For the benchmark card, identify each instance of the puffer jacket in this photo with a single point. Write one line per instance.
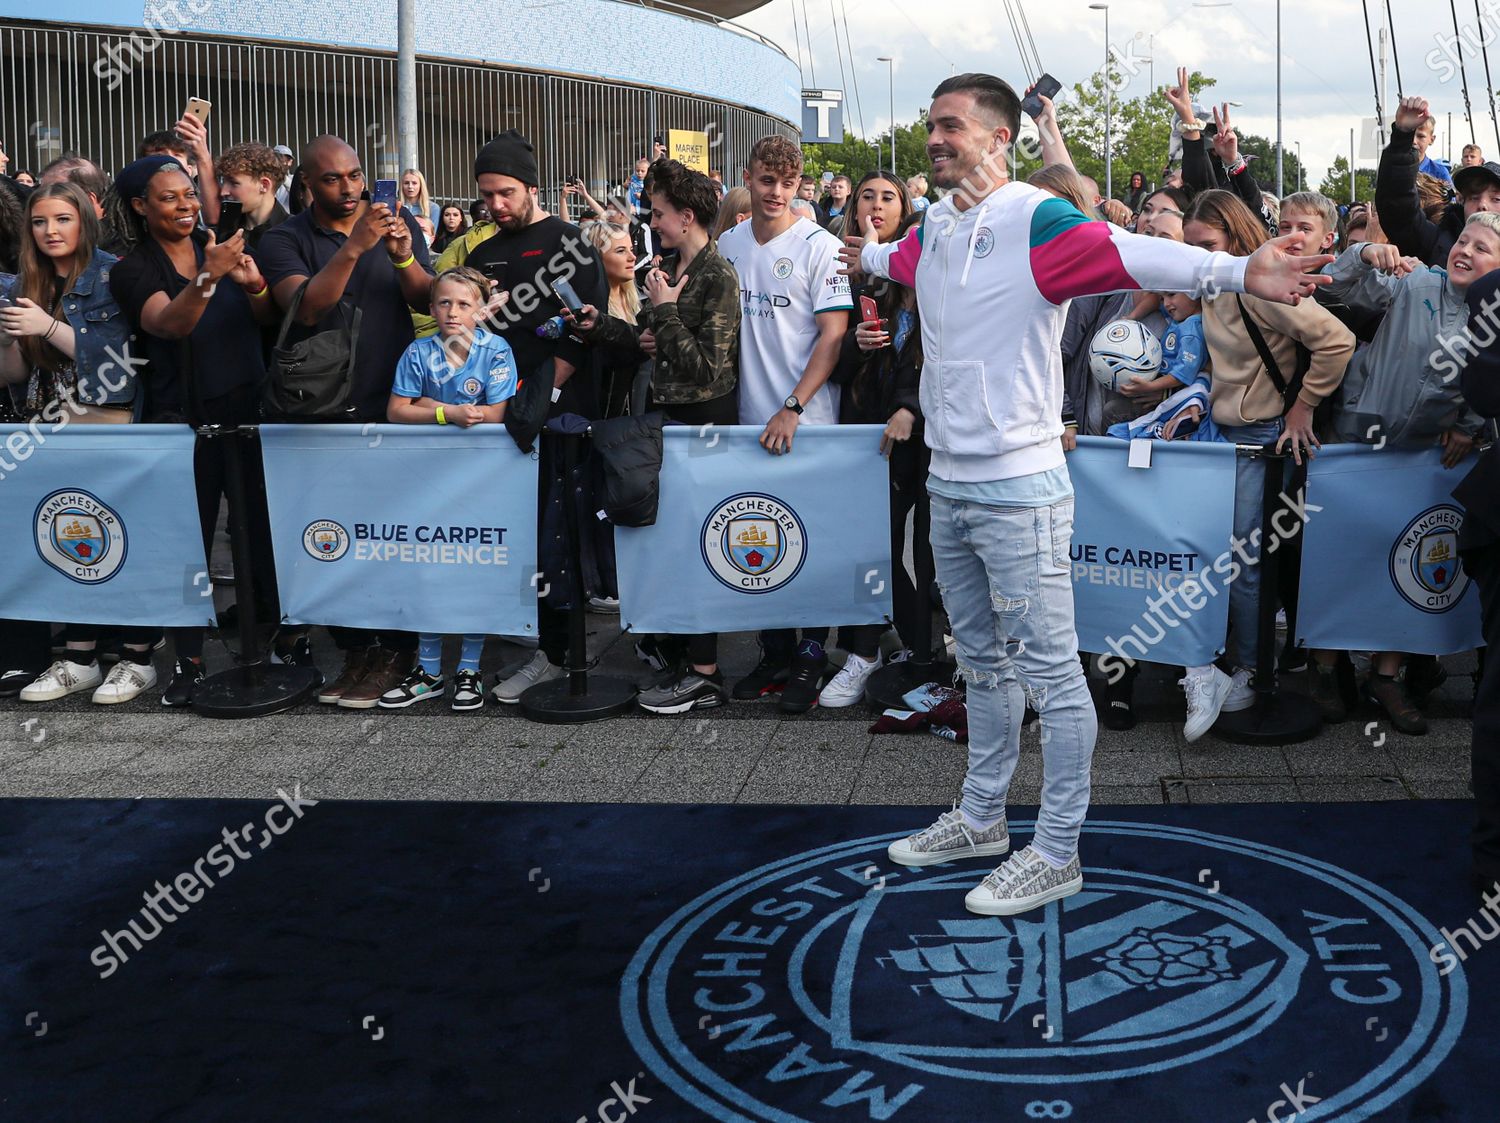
(1403, 388)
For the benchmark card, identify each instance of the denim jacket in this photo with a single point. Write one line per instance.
(105, 357)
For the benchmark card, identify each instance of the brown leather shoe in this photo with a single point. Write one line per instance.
(1390, 695)
(356, 663)
(385, 671)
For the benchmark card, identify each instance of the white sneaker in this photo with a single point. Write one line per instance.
(1206, 689)
(126, 680)
(848, 686)
(1025, 881)
(64, 677)
(539, 669)
(608, 606)
(1242, 695)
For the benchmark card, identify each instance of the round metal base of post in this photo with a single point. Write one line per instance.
(887, 686)
(1282, 718)
(255, 690)
(554, 703)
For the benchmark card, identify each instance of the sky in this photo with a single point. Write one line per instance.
(1326, 82)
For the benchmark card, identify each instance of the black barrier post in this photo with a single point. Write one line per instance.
(891, 683)
(1277, 717)
(579, 697)
(253, 687)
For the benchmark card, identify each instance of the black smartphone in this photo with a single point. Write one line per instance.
(1046, 86)
(569, 297)
(231, 216)
(386, 192)
(496, 271)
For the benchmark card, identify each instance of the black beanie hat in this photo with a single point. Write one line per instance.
(510, 154)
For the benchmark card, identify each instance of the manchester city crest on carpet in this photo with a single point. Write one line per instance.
(1424, 560)
(80, 536)
(325, 540)
(833, 978)
(754, 543)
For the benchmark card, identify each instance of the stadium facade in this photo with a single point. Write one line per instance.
(590, 81)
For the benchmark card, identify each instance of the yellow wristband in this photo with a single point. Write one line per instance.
(442, 418)
(405, 264)
(261, 295)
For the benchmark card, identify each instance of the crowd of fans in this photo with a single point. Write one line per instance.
(668, 271)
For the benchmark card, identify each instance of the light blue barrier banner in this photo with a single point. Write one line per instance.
(409, 527)
(745, 540)
(1151, 557)
(105, 526)
(1380, 568)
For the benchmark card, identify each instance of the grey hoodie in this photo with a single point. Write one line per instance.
(1399, 390)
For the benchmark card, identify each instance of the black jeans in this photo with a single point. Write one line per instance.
(27, 645)
(210, 478)
(1483, 565)
(908, 488)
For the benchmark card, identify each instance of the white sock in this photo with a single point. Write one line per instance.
(981, 824)
(1051, 859)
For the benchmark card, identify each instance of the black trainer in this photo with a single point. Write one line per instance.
(1119, 704)
(14, 681)
(185, 679)
(1424, 676)
(769, 676)
(297, 653)
(806, 678)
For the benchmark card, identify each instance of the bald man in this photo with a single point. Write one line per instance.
(348, 249)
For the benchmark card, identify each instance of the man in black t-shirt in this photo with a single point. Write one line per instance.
(529, 252)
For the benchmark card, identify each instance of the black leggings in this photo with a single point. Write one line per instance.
(908, 488)
(703, 649)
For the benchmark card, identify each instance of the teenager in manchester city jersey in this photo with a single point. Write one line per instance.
(462, 376)
(796, 313)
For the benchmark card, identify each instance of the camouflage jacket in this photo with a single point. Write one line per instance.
(697, 337)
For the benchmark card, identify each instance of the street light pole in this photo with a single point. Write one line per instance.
(1109, 111)
(406, 82)
(1279, 191)
(891, 72)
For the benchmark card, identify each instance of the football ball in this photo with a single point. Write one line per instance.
(1123, 350)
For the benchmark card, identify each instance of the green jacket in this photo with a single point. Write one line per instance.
(697, 337)
(452, 257)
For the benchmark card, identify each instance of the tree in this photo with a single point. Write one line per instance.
(1336, 183)
(1141, 133)
(1264, 164)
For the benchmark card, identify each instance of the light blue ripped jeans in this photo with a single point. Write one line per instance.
(1008, 588)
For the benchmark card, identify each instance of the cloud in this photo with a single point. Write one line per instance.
(1326, 84)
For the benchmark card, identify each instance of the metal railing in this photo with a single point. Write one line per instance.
(54, 98)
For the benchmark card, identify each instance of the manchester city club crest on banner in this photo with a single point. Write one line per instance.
(80, 536)
(325, 540)
(1424, 560)
(754, 543)
(832, 978)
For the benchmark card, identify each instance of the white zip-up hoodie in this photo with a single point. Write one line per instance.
(993, 284)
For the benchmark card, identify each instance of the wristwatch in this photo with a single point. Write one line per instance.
(792, 404)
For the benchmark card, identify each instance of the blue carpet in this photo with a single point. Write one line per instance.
(610, 962)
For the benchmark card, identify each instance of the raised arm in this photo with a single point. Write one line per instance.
(1401, 214)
